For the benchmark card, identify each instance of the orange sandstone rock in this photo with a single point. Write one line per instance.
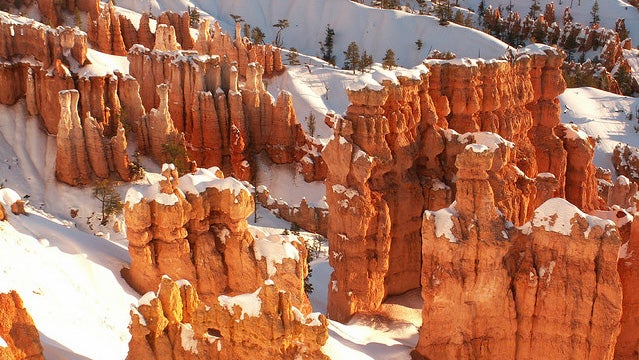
(17, 331)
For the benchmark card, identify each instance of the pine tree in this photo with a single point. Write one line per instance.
(111, 202)
(280, 25)
(481, 10)
(444, 13)
(310, 124)
(293, 57)
(534, 9)
(194, 17)
(351, 57)
(389, 62)
(624, 79)
(365, 62)
(419, 44)
(594, 12)
(326, 47)
(257, 35)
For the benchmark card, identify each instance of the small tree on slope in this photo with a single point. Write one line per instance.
(389, 62)
(109, 198)
(351, 57)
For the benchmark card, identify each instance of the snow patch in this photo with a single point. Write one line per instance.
(444, 222)
(187, 338)
(556, 215)
(251, 304)
(3, 343)
(8, 196)
(275, 248)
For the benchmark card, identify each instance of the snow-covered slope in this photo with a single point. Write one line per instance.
(605, 117)
(374, 30)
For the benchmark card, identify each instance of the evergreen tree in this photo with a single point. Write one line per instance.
(351, 57)
(310, 124)
(459, 18)
(111, 202)
(419, 44)
(624, 79)
(280, 25)
(365, 62)
(594, 12)
(389, 62)
(326, 47)
(534, 9)
(194, 17)
(293, 57)
(257, 35)
(549, 14)
(481, 10)
(444, 12)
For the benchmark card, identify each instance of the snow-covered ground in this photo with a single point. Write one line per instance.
(607, 117)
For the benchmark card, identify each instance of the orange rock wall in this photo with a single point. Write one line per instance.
(393, 155)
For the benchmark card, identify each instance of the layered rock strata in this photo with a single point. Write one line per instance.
(19, 338)
(264, 322)
(313, 219)
(491, 290)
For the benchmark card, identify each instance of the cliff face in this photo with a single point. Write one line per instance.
(558, 294)
(178, 324)
(394, 154)
(19, 338)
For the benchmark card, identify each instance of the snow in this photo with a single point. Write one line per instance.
(603, 116)
(147, 298)
(250, 304)
(3, 343)
(556, 215)
(203, 179)
(444, 221)
(8, 196)
(274, 248)
(477, 148)
(187, 338)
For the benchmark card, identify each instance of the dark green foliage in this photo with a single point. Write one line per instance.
(293, 57)
(257, 35)
(280, 25)
(366, 61)
(389, 61)
(594, 12)
(175, 153)
(111, 202)
(326, 47)
(194, 17)
(624, 79)
(310, 124)
(419, 44)
(351, 57)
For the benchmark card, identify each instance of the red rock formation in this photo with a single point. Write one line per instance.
(261, 323)
(165, 39)
(479, 308)
(313, 219)
(72, 163)
(182, 26)
(545, 75)
(581, 183)
(19, 338)
(628, 267)
(105, 31)
(203, 236)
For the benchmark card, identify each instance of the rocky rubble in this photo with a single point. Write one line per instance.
(178, 323)
(19, 338)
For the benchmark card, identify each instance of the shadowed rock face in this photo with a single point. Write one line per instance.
(176, 322)
(548, 289)
(17, 330)
(394, 154)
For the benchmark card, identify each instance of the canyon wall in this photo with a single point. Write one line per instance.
(393, 156)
